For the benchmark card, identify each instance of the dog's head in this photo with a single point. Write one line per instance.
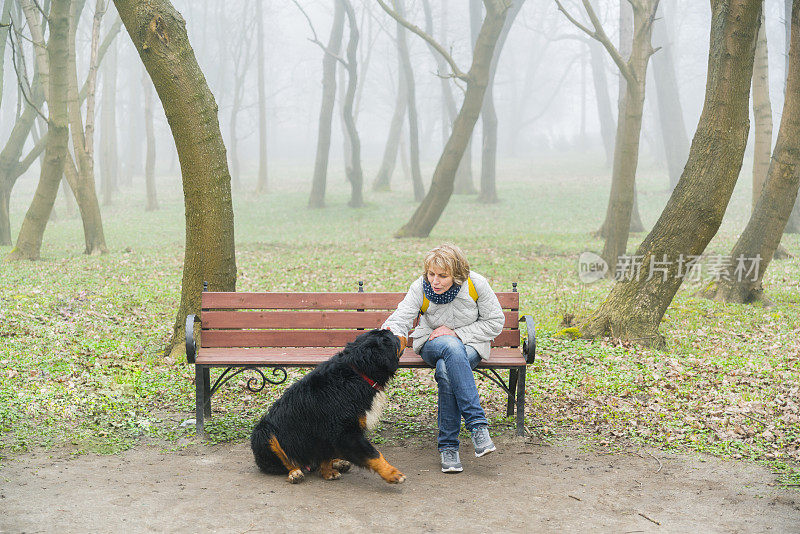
(376, 354)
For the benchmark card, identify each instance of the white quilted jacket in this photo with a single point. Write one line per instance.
(475, 323)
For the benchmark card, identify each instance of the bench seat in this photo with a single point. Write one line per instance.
(501, 357)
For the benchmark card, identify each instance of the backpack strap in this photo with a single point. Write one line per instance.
(472, 293)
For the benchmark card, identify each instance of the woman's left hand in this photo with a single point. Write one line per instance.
(442, 331)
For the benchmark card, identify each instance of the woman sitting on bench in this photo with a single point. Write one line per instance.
(459, 316)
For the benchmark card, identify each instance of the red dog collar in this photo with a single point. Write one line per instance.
(374, 385)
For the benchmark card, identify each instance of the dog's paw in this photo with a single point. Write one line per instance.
(343, 466)
(296, 476)
(395, 478)
(333, 474)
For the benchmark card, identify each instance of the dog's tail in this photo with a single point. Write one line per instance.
(260, 442)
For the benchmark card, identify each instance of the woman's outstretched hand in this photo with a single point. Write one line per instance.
(441, 331)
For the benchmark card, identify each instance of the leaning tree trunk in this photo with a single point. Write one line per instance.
(29, 242)
(261, 178)
(411, 107)
(488, 192)
(428, 213)
(317, 197)
(762, 114)
(761, 238)
(636, 304)
(354, 173)
(159, 35)
(150, 136)
(670, 113)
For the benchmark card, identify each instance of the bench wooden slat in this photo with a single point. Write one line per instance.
(319, 301)
(310, 357)
(308, 319)
(307, 338)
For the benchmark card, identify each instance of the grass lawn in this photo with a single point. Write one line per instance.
(81, 338)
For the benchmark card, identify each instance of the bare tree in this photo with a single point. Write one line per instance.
(388, 162)
(488, 192)
(670, 112)
(762, 114)
(150, 144)
(109, 162)
(756, 246)
(604, 113)
(331, 54)
(29, 242)
(476, 79)
(261, 178)
(634, 308)
(626, 147)
(411, 107)
(158, 33)
(463, 180)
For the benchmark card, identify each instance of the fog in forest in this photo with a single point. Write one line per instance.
(545, 90)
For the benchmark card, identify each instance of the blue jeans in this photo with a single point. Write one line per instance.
(458, 395)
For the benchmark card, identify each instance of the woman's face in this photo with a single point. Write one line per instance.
(439, 279)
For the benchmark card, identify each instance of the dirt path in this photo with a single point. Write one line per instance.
(520, 488)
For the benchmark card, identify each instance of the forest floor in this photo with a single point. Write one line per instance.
(523, 487)
(82, 369)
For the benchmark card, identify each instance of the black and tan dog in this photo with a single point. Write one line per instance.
(319, 421)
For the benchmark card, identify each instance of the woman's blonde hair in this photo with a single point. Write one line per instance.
(450, 259)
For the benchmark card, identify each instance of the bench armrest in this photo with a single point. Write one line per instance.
(191, 348)
(529, 345)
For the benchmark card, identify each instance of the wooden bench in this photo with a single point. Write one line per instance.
(241, 331)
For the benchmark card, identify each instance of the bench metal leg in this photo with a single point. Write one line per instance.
(512, 388)
(521, 401)
(207, 392)
(199, 399)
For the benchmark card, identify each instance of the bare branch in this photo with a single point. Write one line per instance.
(601, 36)
(574, 21)
(316, 40)
(457, 73)
(25, 88)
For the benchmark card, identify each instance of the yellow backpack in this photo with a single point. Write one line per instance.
(472, 293)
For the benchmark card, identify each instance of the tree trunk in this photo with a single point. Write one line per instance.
(150, 136)
(411, 107)
(5, 17)
(383, 179)
(261, 178)
(354, 173)
(109, 165)
(621, 217)
(628, 25)
(317, 197)
(636, 304)
(159, 35)
(793, 226)
(604, 113)
(762, 114)
(428, 213)
(83, 140)
(488, 192)
(670, 113)
(761, 238)
(29, 242)
(133, 165)
(463, 181)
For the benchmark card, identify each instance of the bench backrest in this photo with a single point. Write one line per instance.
(230, 319)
